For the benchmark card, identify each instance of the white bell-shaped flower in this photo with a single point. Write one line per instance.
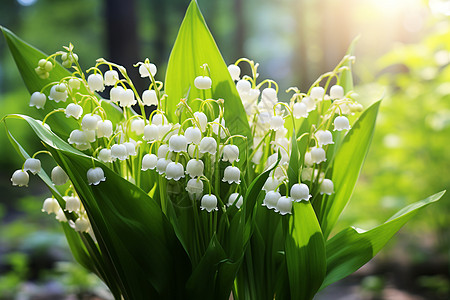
(90, 121)
(79, 138)
(195, 188)
(208, 144)
(111, 77)
(178, 143)
(256, 159)
(317, 93)
(127, 98)
(149, 162)
(310, 103)
(163, 131)
(149, 97)
(74, 110)
(233, 198)
(203, 82)
(74, 84)
(151, 132)
(162, 151)
(324, 137)
(209, 203)
(202, 120)
(232, 174)
(159, 119)
(327, 187)
(116, 94)
(58, 93)
(341, 123)
(243, 86)
(95, 82)
(276, 122)
(33, 165)
(235, 72)
(60, 216)
(230, 153)
(146, 69)
(271, 199)
(90, 135)
(271, 184)
(20, 178)
(193, 135)
(59, 177)
(299, 110)
(82, 224)
(104, 129)
(38, 100)
(193, 151)
(95, 176)
(72, 204)
(269, 97)
(299, 192)
(284, 206)
(195, 168)
(336, 92)
(137, 126)
(216, 126)
(105, 155)
(131, 148)
(308, 159)
(119, 151)
(174, 171)
(161, 165)
(318, 155)
(307, 174)
(50, 206)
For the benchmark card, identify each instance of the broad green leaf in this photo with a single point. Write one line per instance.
(351, 248)
(305, 252)
(347, 166)
(26, 58)
(194, 47)
(133, 234)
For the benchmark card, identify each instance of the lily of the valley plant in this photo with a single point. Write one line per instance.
(222, 189)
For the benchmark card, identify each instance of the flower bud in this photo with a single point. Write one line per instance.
(271, 199)
(194, 168)
(336, 92)
(195, 188)
(74, 84)
(174, 171)
(300, 192)
(202, 82)
(111, 77)
(327, 187)
(95, 176)
(105, 155)
(146, 69)
(318, 155)
(119, 151)
(299, 110)
(74, 110)
(38, 100)
(324, 137)
(59, 177)
(193, 135)
(58, 93)
(232, 174)
(208, 144)
(230, 153)
(149, 97)
(149, 162)
(284, 206)
(33, 165)
(233, 198)
(341, 123)
(317, 93)
(209, 202)
(20, 178)
(50, 205)
(95, 82)
(235, 72)
(178, 143)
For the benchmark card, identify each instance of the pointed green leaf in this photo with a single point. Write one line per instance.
(347, 166)
(305, 252)
(194, 47)
(351, 248)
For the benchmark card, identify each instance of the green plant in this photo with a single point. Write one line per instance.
(132, 216)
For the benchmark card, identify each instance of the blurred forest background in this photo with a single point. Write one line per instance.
(403, 55)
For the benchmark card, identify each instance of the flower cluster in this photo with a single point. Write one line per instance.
(199, 153)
